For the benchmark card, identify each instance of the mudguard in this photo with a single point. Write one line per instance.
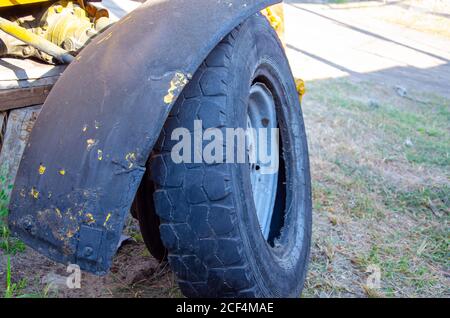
(87, 152)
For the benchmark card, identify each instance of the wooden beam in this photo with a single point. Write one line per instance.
(23, 97)
(2, 119)
(18, 129)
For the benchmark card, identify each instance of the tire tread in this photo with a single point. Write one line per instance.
(204, 249)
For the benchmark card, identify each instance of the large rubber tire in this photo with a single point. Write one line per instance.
(208, 219)
(143, 209)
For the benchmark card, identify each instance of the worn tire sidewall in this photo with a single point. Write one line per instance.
(277, 272)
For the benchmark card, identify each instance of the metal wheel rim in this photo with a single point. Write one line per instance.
(261, 114)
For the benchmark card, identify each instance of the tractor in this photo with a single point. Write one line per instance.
(92, 107)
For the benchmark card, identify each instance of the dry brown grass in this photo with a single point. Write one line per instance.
(376, 201)
(430, 16)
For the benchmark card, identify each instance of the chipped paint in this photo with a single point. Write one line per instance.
(177, 84)
(91, 143)
(56, 221)
(85, 128)
(301, 87)
(107, 219)
(96, 124)
(42, 169)
(34, 193)
(90, 218)
(100, 154)
(131, 159)
(58, 213)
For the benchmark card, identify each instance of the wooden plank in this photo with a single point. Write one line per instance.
(25, 73)
(25, 82)
(18, 129)
(2, 119)
(22, 97)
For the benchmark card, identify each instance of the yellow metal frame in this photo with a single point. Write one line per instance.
(34, 40)
(10, 3)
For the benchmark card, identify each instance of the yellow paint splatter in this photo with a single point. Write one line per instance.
(107, 219)
(178, 82)
(34, 193)
(62, 172)
(90, 143)
(58, 212)
(42, 169)
(85, 127)
(301, 87)
(100, 154)
(90, 218)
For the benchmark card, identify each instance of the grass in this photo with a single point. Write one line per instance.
(427, 129)
(380, 166)
(13, 289)
(422, 200)
(378, 200)
(9, 245)
(17, 290)
(426, 124)
(422, 15)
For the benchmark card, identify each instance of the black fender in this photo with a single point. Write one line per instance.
(88, 149)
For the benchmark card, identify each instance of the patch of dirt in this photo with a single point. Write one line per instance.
(134, 273)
